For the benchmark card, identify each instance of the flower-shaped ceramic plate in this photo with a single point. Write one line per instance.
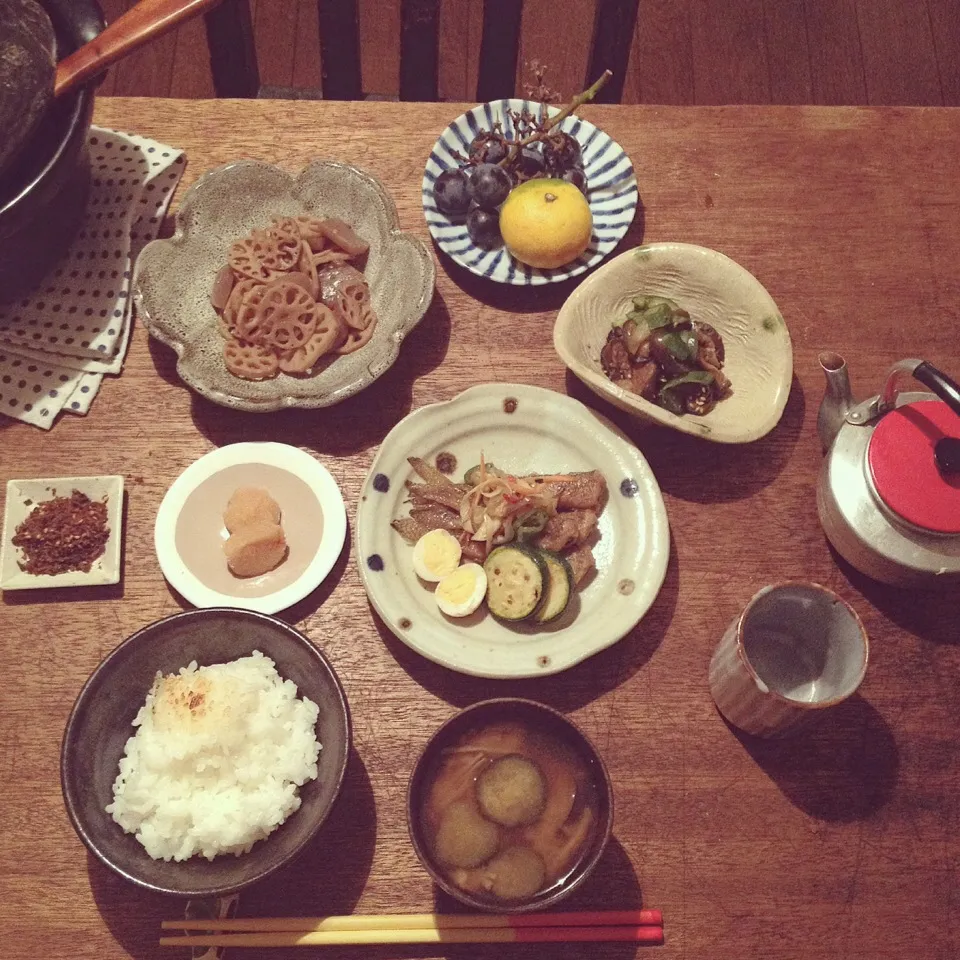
(611, 190)
(713, 288)
(174, 277)
(526, 430)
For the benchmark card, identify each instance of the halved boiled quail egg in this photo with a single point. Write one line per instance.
(461, 592)
(436, 555)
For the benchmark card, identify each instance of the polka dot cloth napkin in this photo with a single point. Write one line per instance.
(57, 345)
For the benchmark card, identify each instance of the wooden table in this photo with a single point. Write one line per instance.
(842, 843)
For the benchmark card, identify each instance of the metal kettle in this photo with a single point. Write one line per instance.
(888, 495)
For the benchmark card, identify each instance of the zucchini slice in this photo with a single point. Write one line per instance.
(559, 586)
(515, 582)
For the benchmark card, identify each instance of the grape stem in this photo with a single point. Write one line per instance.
(545, 126)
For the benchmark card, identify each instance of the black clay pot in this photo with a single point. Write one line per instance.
(44, 193)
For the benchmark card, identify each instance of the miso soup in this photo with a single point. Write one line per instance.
(509, 811)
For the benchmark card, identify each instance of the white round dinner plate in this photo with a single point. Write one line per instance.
(189, 533)
(524, 430)
(611, 192)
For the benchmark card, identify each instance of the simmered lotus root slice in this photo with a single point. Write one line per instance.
(261, 257)
(249, 323)
(286, 231)
(291, 333)
(353, 305)
(255, 550)
(358, 338)
(249, 361)
(325, 338)
(277, 253)
(249, 506)
(307, 268)
(288, 315)
(334, 278)
(343, 331)
(312, 234)
(228, 321)
(244, 259)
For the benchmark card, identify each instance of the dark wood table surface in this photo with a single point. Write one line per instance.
(844, 842)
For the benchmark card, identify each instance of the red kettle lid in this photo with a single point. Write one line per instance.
(900, 457)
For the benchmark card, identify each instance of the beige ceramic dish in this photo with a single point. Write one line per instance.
(22, 498)
(189, 532)
(527, 430)
(713, 288)
(174, 277)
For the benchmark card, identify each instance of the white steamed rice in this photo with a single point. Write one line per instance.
(216, 760)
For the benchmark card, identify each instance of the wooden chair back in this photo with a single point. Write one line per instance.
(233, 57)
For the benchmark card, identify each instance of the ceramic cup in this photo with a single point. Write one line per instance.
(795, 650)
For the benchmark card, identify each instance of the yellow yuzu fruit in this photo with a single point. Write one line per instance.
(546, 223)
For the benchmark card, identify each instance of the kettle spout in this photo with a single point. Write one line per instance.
(837, 400)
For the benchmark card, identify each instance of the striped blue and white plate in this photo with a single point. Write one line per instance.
(611, 190)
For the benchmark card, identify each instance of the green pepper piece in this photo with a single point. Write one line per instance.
(472, 477)
(659, 316)
(531, 524)
(651, 302)
(655, 312)
(670, 395)
(680, 345)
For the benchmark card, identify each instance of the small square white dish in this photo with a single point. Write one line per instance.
(24, 495)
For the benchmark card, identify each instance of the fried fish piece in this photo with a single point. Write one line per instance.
(568, 529)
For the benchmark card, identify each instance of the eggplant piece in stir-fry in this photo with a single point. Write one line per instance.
(661, 354)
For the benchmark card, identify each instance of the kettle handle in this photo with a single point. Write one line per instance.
(943, 386)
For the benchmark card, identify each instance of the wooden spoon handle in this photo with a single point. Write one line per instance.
(146, 21)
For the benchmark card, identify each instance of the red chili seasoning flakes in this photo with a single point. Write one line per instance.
(63, 534)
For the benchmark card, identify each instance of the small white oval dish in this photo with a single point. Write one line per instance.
(524, 430)
(190, 533)
(713, 288)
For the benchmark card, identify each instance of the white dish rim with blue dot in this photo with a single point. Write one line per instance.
(611, 191)
(520, 428)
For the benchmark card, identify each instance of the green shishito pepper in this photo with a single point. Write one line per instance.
(532, 524)
(682, 344)
(671, 393)
(655, 312)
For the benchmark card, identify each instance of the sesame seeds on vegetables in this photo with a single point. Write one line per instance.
(63, 534)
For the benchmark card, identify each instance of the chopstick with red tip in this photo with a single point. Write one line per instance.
(636, 926)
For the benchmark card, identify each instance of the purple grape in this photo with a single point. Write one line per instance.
(489, 185)
(486, 148)
(483, 226)
(530, 162)
(451, 193)
(577, 177)
(561, 152)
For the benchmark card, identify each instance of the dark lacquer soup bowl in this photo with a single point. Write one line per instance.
(509, 806)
